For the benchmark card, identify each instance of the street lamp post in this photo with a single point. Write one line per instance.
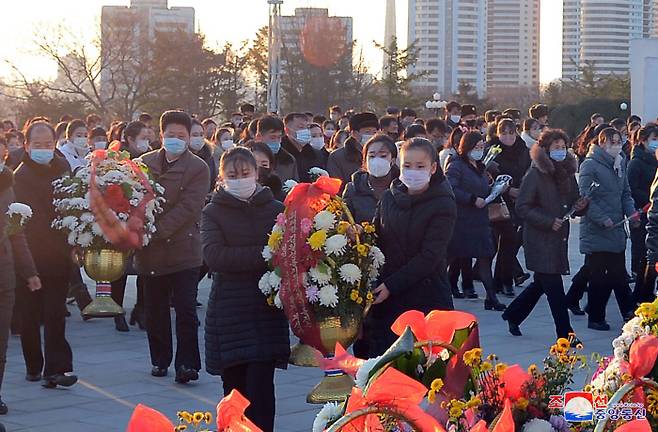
(436, 104)
(273, 56)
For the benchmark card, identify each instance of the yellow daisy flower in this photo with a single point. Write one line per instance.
(198, 417)
(362, 249)
(501, 368)
(431, 396)
(437, 384)
(274, 239)
(317, 240)
(522, 403)
(342, 228)
(354, 295)
(456, 412)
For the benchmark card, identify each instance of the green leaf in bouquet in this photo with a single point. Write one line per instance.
(127, 190)
(408, 363)
(460, 337)
(404, 345)
(436, 370)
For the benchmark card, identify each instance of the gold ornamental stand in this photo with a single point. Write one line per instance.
(104, 266)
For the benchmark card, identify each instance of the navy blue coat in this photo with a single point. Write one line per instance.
(472, 235)
(240, 326)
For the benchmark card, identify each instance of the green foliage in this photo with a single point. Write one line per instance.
(574, 117)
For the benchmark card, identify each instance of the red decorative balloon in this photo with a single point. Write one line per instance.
(323, 41)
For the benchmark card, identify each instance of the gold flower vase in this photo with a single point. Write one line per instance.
(303, 355)
(104, 266)
(336, 384)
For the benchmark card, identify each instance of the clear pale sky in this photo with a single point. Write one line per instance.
(230, 20)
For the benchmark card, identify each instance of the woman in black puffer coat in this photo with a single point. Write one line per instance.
(414, 222)
(246, 339)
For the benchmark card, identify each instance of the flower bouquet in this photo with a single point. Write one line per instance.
(18, 214)
(322, 266)
(108, 208)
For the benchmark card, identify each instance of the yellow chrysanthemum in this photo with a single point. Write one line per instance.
(647, 311)
(588, 388)
(274, 240)
(198, 417)
(368, 227)
(473, 402)
(437, 384)
(563, 344)
(354, 295)
(492, 357)
(486, 366)
(370, 297)
(317, 240)
(185, 416)
(342, 228)
(362, 249)
(208, 418)
(456, 412)
(532, 370)
(270, 301)
(473, 357)
(180, 428)
(522, 403)
(501, 368)
(431, 396)
(359, 300)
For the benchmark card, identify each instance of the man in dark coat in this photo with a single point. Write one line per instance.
(171, 262)
(269, 131)
(346, 161)
(14, 254)
(453, 114)
(296, 142)
(33, 186)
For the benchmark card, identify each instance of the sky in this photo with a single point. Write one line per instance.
(228, 20)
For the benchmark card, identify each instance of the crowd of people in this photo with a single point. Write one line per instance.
(425, 184)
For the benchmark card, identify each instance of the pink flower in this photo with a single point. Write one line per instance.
(306, 224)
(312, 294)
(281, 219)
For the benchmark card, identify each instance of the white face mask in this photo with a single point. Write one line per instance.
(100, 145)
(455, 118)
(378, 167)
(241, 188)
(227, 145)
(79, 142)
(614, 150)
(365, 138)
(415, 179)
(142, 146)
(317, 143)
(196, 143)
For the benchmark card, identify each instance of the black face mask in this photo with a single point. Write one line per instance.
(470, 123)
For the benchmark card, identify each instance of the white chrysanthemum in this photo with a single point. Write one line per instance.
(85, 239)
(70, 222)
(330, 412)
(267, 253)
(288, 185)
(364, 371)
(335, 245)
(264, 284)
(87, 217)
(377, 256)
(145, 240)
(350, 273)
(329, 296)
(317, 171)
(538, 425)
(71, 238)
(96, 229)
(275, 280)
(24, 210)
(324, 220)
(277, 301)
(319, 276)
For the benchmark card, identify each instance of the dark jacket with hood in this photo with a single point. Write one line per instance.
(472, 235)
(345, 161)
(413, 233)
(286, 165)
(360, 197)
(306, 158)
(548, 191)
(206, 154)
(13, 249)
(33, 185)
(240, 326)
(641, 172)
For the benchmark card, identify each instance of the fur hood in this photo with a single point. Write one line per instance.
(546, 165)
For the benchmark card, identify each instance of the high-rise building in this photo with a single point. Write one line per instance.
(390, 31)
(292, 27)
(512, 45)
(451, 35)
(149, 16)
(597, 33)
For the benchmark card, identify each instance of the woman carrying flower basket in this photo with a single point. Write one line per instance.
(14, 253)
(414, 221)
(246, 339)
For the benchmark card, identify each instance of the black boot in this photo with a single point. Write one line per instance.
(456, 293)
(137, 317)
(494, 304)
(121, 324)
(59, 380)
(508, 291)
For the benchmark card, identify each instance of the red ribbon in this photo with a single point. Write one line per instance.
(342, 360)
(642, 356)
(145, 419)
(295, 257)
(230, 414)
(641, 425)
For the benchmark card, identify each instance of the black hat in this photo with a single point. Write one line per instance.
(538, 110)
(452, 105)
(490, 115)
(363, 120)
(392, 110)
(407, 112)
(468, 110)
(513, 113)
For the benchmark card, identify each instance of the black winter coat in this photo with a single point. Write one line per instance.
(240, 326)
(548, 191)
(34, 186)
(360, 197)
(514, 161)
(641, 172)
(306, 159)
(472, 235)
(414, 232)
(206, 154)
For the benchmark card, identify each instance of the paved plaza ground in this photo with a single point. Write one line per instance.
(114, 371)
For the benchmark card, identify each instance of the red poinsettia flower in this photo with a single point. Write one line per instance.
(116, 200)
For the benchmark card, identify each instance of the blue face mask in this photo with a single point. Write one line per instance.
(558, 155)
(275, 146)
(174, 146)
(303, 136)
(652, 146)
(42, 156)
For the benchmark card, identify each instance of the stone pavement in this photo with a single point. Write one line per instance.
(114, 371)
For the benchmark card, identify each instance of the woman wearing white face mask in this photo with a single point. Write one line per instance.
(414, 223)
(368, 184)
(201, 148)
(531, 132)
(234, 230)
(602, 233)
(98, 139)
(472, 236)
(319, 143)
(76, 147)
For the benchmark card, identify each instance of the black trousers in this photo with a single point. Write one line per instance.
(48, 305)
(465, 267)
(256, 382)
(7, 299)
(507, 246)
(524, 303)
(578, 287)
(119, 290)
(645, 283)
(638, 246)
(182, 287)
(607, 273)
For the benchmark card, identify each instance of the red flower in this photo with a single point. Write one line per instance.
(116, 200)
